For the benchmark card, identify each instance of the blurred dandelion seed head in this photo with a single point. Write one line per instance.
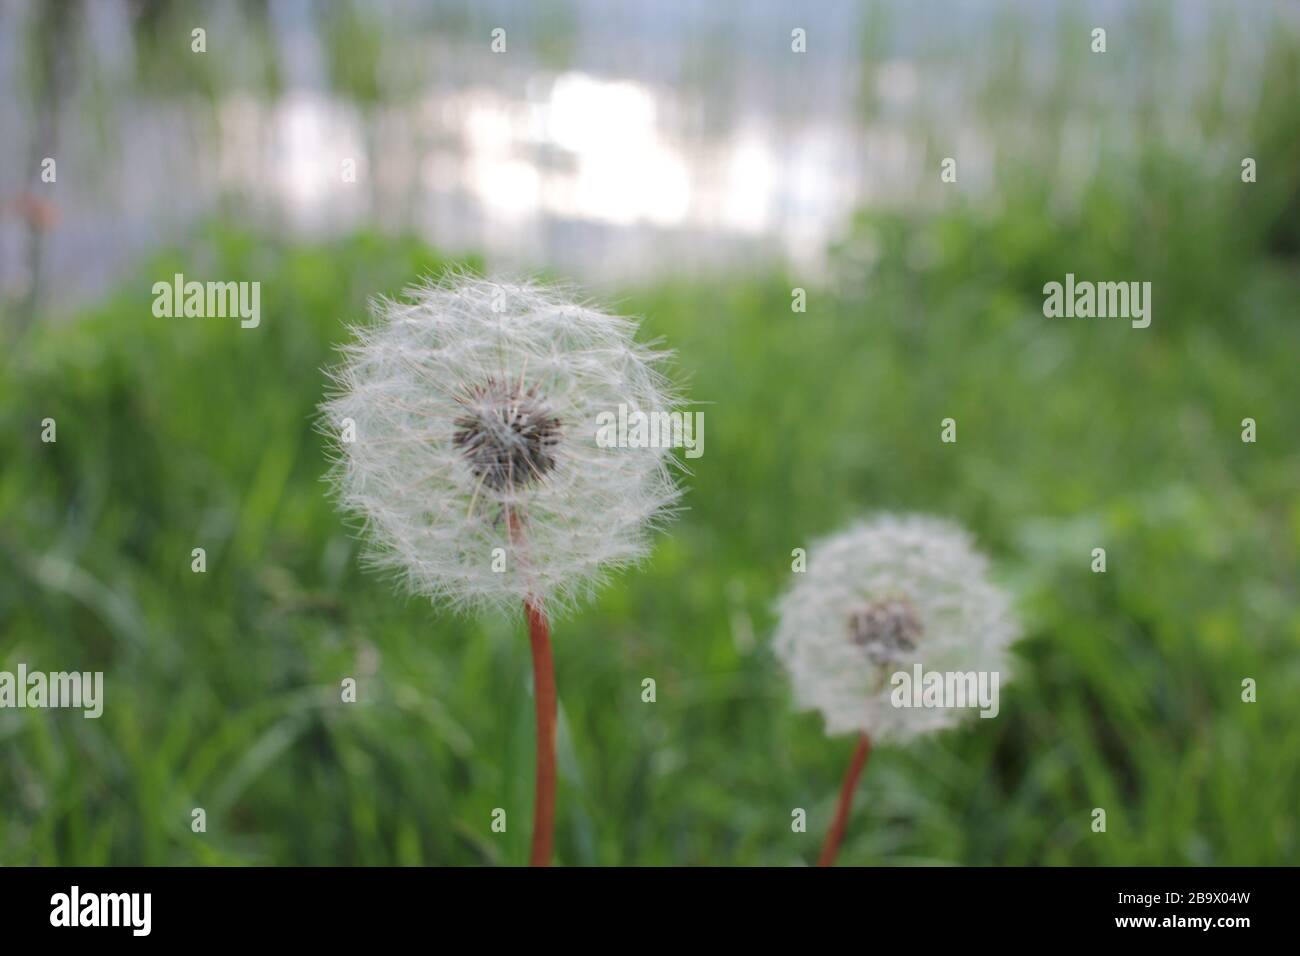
(885, 594)
(475, 406)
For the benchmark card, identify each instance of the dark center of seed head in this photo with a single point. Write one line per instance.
(506, 433)
(886, 629)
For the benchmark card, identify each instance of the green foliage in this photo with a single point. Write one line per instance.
(354, 50)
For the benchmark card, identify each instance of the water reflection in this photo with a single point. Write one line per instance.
(677, 137)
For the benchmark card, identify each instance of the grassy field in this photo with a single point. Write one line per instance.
(223, 688)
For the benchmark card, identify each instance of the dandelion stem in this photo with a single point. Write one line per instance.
(539, 633)
(539, 636)
(836, 834)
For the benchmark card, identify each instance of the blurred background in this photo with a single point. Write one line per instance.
(682, 162)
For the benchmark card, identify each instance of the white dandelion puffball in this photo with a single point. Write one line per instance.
(885, 595)
(472, 408)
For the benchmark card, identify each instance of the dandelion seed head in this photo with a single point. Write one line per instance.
(885, 594)
(474, 471)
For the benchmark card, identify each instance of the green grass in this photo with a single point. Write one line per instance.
(223, 688)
